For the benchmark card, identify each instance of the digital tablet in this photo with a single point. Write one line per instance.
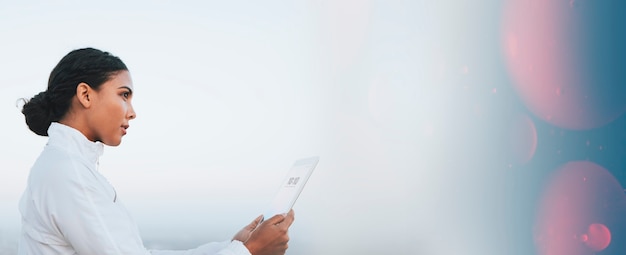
(291, 187)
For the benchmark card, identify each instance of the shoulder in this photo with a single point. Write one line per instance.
(57, 169)
(53, 160)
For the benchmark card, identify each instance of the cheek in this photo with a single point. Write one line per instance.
(113, 112)
(119, 107)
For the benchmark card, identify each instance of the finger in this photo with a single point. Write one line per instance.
(255, 222)
(289, 218)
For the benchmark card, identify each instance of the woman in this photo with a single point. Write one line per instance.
(68, 207)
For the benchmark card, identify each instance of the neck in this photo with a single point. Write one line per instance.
(72, 120)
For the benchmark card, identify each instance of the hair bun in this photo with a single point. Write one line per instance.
(38, 112)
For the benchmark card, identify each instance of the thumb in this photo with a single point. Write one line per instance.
(275, 219)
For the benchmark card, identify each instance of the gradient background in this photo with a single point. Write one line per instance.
(442, 126)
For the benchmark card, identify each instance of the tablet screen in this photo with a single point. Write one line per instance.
(291, 186)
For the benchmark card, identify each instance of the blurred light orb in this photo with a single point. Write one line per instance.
(577, 197)
(599, 237)
(523, 139)
(567, 59)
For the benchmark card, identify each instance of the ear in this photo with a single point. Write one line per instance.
(83, 93)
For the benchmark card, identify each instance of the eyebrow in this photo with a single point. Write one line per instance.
(129, 89)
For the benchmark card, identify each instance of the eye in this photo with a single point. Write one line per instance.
(126, 94)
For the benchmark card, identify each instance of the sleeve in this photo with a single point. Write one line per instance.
(83, 211)
(222, 248)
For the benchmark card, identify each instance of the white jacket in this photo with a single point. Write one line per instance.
(68, 207)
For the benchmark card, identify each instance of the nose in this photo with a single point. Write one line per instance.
(131, 112)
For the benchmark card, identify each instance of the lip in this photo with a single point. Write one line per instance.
(124, 127)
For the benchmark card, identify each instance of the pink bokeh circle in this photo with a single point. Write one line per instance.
(599, 237)
(566, 59)
(578, 203)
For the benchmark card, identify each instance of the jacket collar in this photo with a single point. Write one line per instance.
(74, 141)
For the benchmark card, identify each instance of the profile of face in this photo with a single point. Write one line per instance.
(110, 109)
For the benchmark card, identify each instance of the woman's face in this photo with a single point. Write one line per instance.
(112, 109)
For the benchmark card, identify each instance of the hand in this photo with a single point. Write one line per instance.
(244, 233)
(270, 237)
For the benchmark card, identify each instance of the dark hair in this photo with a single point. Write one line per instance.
(87, 65)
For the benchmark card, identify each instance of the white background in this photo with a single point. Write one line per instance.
(228, 94)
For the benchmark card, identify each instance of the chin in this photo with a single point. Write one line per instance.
(113, 143)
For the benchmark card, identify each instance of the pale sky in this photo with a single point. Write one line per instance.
(230, 93)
